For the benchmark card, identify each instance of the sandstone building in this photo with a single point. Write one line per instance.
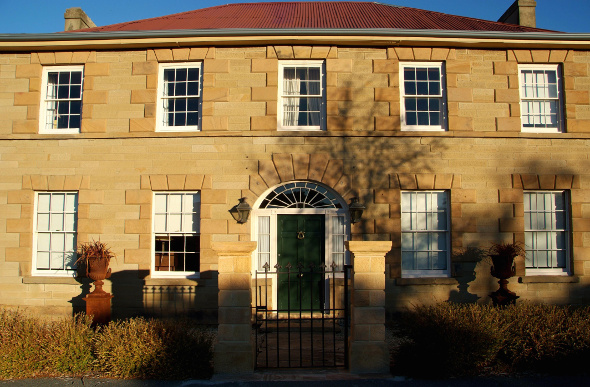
(452, 132)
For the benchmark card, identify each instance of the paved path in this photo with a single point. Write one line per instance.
(307, 378)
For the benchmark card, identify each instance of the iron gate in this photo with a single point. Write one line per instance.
(297, 330)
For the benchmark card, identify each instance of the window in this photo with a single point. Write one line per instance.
(301, 95)
(55, 233)
(540, 98)
(177, 238)
(546, 232)
(179, 97)
(61, 105)
(425, 234)
(423, 103)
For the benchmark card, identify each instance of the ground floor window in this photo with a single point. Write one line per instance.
(425, 233)
(546, 232)
(176, 234)
(55, 233)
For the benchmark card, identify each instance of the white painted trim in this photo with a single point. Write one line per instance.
(43, 103)
(560, 97)
(273, 212)
(170, 274)
(430, 273)
(50, 273)
(301, 63)
(443, 89)
(565, 271)
(160, 127)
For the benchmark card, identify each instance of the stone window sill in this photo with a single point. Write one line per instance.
(148, 281)
(546, 279)
(425, 281)
(54, 280)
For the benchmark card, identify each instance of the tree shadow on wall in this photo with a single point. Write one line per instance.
(134, 295)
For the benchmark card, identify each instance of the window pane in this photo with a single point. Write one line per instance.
(57, 222)
(43, 222)
(57, 261)
(43, 242)
(57, 202)
(43, 260)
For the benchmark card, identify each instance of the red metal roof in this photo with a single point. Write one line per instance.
(312, 15)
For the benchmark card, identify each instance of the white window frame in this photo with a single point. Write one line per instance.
(161, 125)
(559, 128)
(330, 250)
(174, 274)
(566, 231)
(65, 272)
(281, 96)
(442, 97)
(417, 273)
(43, 108)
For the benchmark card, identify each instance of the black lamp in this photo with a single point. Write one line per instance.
(356, 210)
(241, 211)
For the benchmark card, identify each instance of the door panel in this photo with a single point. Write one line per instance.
(300, 241)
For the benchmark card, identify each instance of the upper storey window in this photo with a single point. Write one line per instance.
(541, 98)
(301, 95)
(61, 104)
(423, 102)
(179, 97)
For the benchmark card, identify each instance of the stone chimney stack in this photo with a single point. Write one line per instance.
(76, 19)
(521, 12)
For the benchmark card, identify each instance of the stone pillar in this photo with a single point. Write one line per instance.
(234, 349)
(368, 352)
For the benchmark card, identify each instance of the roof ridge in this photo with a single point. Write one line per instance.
(337, 14)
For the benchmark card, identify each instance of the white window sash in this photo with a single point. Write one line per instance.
(290, 99)
(162, 115)
(172, 218)
(543, 237)
(537, 106)
(418, 227)
(55, 234)
(440, 96)
(50, 101)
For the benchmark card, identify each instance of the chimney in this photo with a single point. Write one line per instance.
(521, 12)
(76, 19)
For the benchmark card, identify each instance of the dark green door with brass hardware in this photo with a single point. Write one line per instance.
(300, 243)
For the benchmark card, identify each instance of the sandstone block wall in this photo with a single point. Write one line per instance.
(118, 161)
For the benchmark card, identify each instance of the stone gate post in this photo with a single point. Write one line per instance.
(368, 352)
(234, 349)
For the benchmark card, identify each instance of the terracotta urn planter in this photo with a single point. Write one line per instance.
(502, 256)
(95, 258)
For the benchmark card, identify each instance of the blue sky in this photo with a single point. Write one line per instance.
(38, 16)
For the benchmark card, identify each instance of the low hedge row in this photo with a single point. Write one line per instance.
(449, 340)
(132, 348)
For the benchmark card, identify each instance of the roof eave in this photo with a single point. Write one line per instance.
(379, 37)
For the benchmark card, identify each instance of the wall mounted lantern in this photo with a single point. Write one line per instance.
(241, 211)
(356, 210)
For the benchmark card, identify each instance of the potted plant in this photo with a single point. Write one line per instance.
(502, 256)
(95, 258)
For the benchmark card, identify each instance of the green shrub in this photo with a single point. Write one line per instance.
(134, 348)
(463, 340)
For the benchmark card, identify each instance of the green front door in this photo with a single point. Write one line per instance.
(300, 241)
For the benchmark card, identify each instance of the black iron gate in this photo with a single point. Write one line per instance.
(302, 331)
